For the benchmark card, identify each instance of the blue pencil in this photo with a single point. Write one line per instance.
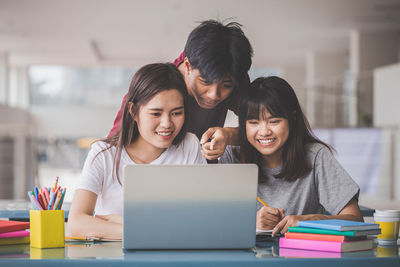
(52, 197)
(31, 198)
(36, 191)
(62, 199)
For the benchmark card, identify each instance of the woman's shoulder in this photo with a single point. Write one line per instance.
(190, 142)
(317, 150)
(101, 146)
(190, 138)
(229, 155)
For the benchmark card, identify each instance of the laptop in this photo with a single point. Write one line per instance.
(190, 206)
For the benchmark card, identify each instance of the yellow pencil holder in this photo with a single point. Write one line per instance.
(50, 253)
(47, 228)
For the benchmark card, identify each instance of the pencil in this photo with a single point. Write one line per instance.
(62, 198)
(262, 202)
(34, 200)
(55, 186)
(57, 201)
(85, 238)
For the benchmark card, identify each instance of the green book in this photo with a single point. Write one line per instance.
(15, 240)
(297, 229)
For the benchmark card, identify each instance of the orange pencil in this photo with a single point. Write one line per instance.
(262, 202)
(55, 186)
(57, 200)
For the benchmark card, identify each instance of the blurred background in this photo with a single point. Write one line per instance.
(66, 65)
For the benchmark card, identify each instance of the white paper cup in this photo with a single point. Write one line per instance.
(389, 222)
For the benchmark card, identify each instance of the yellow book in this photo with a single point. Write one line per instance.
(15, 240)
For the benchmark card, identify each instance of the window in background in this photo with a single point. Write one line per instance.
(90, 86)
(255, 73)
(60, 87)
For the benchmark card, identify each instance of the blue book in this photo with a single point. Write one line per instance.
(338, 225)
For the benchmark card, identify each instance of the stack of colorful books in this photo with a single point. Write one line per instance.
(13, 232)
(330, 235)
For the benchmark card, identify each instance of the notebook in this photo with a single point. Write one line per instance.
(15, 240)
(298, 229)
(22, 233)
(190, 206)
(303, 253)
(344, 246)
(335, 238)
(10, 226)
(338, 225)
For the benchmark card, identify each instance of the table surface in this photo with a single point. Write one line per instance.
(111, 253)
(19, 210)
(266, 252)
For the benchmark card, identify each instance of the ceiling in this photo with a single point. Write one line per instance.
(135, 32)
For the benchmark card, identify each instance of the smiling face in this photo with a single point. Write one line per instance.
(268, 135)
(207, 94)
(160, 120)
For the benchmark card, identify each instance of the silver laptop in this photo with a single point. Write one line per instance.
(190, 206)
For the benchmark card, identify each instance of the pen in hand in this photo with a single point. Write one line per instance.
(262, 202)
(281, 212)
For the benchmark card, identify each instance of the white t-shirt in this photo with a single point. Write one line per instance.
(97, 174)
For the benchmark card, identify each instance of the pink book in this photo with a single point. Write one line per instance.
(302, 253)
(344, 246)
(14, 234)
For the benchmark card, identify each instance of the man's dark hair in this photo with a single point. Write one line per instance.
(217, 50)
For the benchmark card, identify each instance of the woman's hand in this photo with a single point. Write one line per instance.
(114, 218)
(291, 220)
(350, 212)
(269, 217)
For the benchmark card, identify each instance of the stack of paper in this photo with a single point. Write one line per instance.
(330, 235)
(13, 232)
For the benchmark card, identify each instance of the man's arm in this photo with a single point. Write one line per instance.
(215, 140)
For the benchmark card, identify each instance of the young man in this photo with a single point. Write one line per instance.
(214, 65)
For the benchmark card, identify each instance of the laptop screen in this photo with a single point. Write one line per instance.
(190, 206)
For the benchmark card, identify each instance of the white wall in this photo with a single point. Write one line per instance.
(369, 50)
(325, 70)
(73, 122)
(3, 77)
(13, 117)
(387, 95)
(376, 49)
(295, 75)
(16, 124)
(387, 115)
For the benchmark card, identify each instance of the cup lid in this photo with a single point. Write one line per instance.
(395, 213)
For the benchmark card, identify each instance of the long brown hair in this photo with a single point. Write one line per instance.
(278, 97)
(147, 82)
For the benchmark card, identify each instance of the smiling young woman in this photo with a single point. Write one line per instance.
(299, 177)
(153, 131)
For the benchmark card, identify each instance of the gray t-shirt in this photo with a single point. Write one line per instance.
(328, 187)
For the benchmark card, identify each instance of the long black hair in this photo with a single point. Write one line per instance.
(278, 97)
(147, 82)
